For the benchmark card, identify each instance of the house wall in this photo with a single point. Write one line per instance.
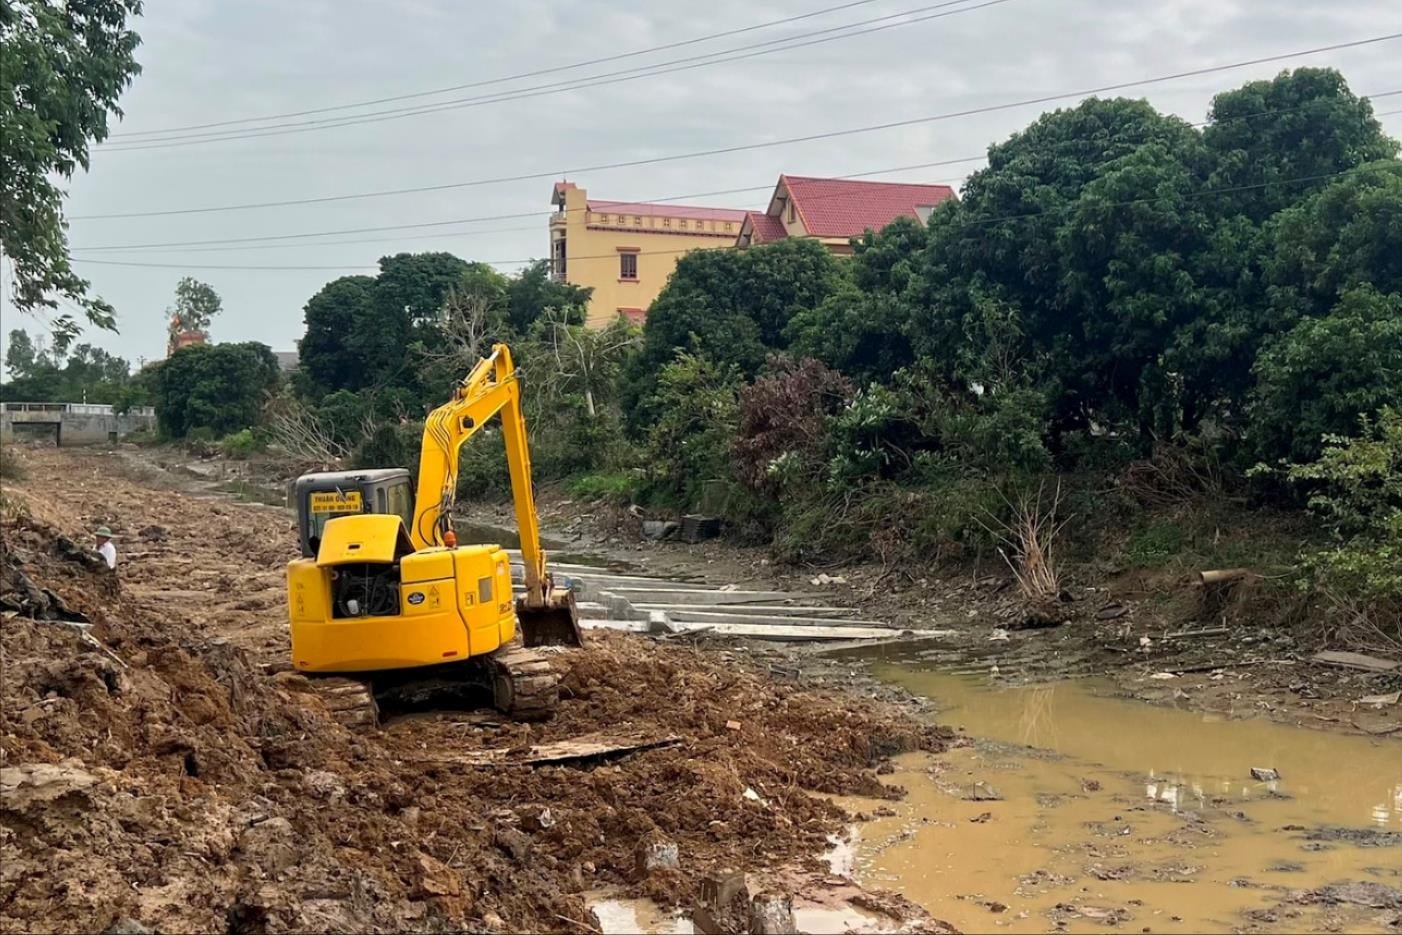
(594, 241)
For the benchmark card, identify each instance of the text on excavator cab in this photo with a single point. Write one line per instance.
(336, 501)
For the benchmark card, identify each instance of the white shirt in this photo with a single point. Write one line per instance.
(109, 552)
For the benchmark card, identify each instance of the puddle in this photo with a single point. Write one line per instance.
(1128, 815)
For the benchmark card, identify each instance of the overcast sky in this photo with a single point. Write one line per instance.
(207, 60)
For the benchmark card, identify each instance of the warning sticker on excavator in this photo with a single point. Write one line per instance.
(335, 501)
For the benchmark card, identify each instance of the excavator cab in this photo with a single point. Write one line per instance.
(320, 498)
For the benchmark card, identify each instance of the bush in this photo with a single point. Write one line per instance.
(239, 446)
(619, 488)
(784, 420)
(10, 467)
(688, 444)
(1356, 489)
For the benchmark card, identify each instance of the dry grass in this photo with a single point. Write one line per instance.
(1027, 542)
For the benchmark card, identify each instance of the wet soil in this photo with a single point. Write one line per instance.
(1072, 810)
(1230, 650)
(160, 768)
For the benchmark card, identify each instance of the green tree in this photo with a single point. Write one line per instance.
(1288, 134)
(85, 374)
(1025, 237)
(861, 327)
(340, 323)
(532, 293)
(1319, 377)
(213, 389)
(21, 356)
(1346, 235)
(62, 67)
(196, 304)
(729, 305)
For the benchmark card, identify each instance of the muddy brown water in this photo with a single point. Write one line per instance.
(1113, 812)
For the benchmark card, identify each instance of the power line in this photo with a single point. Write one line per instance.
(630, 74)
(499, 217)
(236, 243)
(749, 147)
(604, 256)
(501, 80)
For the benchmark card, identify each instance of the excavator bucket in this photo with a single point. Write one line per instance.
(555, 624)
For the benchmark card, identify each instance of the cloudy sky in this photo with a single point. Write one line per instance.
(207, 61)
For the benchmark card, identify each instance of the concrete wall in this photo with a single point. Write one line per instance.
(71, 423)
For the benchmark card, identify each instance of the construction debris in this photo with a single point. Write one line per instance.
(1355, 661)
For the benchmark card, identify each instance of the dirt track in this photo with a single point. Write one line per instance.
(176, 783)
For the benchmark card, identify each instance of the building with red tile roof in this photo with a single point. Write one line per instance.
(834, 211)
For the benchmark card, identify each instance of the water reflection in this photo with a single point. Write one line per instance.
(1187, 760)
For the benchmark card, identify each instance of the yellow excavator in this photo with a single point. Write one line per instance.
(384, 603)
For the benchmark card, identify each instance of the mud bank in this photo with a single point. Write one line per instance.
(155, 771)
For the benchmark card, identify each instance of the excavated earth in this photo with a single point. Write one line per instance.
(158, 769)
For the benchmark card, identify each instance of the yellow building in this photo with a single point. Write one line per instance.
(626, 250)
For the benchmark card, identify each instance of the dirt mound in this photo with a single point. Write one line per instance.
(151, 773)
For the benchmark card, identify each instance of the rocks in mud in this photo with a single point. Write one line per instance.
(326, 786)
(127, 926)
(1366, 894)
(982, 792)
(1264, 774)
(656, 854)
(513, 842)
(771, 914)
(724, 903)
(40, 784)
(437, 878)
(152, 533)
(270, 844)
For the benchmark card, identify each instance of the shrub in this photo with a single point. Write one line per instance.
(239, 446)
(10, 467)
(1356, 489)
(688, 444)
(784, 419)
(619, 488)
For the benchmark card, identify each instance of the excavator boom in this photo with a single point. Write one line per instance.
(547, 616)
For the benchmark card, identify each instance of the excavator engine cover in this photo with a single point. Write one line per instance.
(555, 624)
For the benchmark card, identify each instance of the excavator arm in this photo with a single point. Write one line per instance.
(492, 387)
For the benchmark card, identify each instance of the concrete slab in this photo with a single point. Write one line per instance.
(707, 617)
(695, 595)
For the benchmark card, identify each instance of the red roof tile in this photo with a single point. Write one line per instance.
(690, 212)
(847, 207)
(765, 229)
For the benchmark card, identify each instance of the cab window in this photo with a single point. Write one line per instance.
(401, 503)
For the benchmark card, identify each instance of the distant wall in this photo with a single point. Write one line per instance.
(71, 423)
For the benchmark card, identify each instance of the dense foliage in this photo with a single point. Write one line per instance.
(1118, 297)
(62, 67)
(82, 373)
(213, 390)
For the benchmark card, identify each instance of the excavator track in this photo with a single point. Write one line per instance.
(525, 687)
(350, 701)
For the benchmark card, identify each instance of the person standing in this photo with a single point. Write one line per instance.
(105, 545)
